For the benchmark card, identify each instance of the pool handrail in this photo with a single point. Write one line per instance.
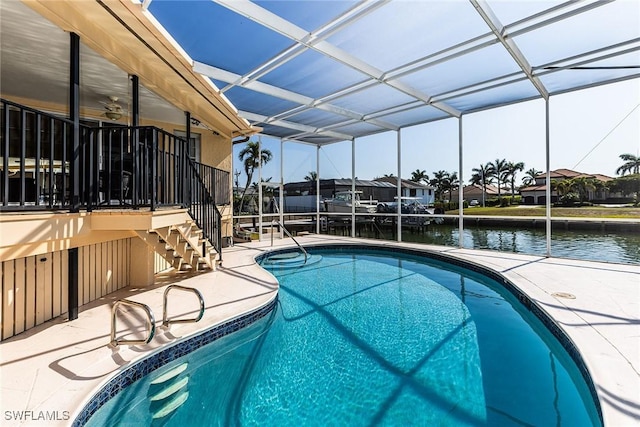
(151, 323)
(165, 320)
(306, 255)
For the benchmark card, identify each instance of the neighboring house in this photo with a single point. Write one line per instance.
(425, 193)
(537, 194)
(474, 192)
(115, 137)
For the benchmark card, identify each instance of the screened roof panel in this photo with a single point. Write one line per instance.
(415, 115)
(308, 14)
(509, 12)
(259, 103)
(375, 98)
(476, 67)
(326, 71)
(213, 34)
(317, 118)
(500, 95)
(598, 28)
(563, 80)
(403, 31)
(278, 130)
(307, 74)
(359, 129)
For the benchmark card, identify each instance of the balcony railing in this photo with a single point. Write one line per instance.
(119, 167)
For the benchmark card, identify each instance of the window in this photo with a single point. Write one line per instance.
(194, 144)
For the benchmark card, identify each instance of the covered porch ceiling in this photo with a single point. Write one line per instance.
(325, 71)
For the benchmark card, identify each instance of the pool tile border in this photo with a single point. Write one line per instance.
(166, 355)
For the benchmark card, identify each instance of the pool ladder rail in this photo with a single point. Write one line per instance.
(275, 221)
(165, 318)
(150, 320)
(150, 323)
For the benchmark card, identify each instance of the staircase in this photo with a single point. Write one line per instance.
(182, 246)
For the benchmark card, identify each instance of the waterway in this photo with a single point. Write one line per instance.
(616, 247)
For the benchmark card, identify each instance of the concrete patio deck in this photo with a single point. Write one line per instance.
(56, 367)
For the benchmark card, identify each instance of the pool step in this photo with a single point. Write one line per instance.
(170, 374)
(171, 405)
(172, 389)
(290, 260)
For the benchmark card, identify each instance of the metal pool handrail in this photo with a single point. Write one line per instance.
(306, 255)
(165, 320)
(151, 322)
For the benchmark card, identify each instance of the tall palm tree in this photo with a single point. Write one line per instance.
(512, 170)
(530, 176)
(419, 176)
(632, 164)
(252, 157)
(499, 168)
(482, 176)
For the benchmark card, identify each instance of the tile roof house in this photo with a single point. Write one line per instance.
(536, 194)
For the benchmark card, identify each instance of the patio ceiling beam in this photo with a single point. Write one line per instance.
(259, 118)
(498, 29)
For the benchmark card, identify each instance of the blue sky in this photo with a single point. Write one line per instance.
(583, 137)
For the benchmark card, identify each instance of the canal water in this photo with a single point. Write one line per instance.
(616, 247)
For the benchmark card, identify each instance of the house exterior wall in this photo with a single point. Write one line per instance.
(34, 247)
(34, 288)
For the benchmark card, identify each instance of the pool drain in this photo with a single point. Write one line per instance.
(563, 295)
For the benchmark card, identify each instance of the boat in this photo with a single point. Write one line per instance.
(343, 200)
(408, 206)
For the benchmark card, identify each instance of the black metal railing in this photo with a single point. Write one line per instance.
(216, 181)
(203, 207)
(35, 150)
(121, 167)
(140, 166)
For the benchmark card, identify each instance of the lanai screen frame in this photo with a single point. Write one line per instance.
(329, 32)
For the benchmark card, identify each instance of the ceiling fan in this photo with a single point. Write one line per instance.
(113, 110)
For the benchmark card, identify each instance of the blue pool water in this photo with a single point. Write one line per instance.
(371, 338)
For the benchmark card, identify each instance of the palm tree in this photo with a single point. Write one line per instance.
(451, 183)
(419, 175)
(561, 187)
(482, 176)
(312, 176)
(582, 185)
(499, 168)
(439, 182)
(632, 164)
(530, 176)
(512, 170)
(252, 157)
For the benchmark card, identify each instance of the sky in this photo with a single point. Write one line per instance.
(589, 129)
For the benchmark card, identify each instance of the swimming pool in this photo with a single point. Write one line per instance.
(369, 337)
